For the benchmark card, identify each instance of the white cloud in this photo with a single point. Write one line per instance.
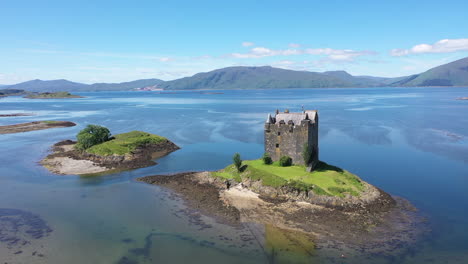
(165, 59)
(339, 54)
(294, 45)
(441, 46)
(247, 44)
(331, 54)
(284, 62)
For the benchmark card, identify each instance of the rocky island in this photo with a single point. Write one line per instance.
(31, 126)
(88, 155)
(290, 189)
(56, 95)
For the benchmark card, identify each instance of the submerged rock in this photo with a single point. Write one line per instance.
(19, 228)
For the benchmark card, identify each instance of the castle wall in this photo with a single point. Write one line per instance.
(288, 140)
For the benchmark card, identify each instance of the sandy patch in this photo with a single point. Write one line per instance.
(65, 165)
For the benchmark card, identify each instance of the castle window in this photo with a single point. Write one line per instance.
(277, 145)
(279, 133)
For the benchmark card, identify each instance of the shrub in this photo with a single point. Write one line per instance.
(92, 135)
(300, 186)
(267, 159)
(237, 161)
(285, 161)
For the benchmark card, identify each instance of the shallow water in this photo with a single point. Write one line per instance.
(411, 142)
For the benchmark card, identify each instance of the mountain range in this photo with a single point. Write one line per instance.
(265, 77)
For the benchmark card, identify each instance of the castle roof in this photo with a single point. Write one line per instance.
(296, 118)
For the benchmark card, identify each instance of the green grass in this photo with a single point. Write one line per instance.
(324, 180)
(125, 143)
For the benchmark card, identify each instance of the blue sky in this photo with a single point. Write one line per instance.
(115, 41)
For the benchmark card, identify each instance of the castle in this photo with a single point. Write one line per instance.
(286, 134)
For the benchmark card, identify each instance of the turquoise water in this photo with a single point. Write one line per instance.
(411, 142)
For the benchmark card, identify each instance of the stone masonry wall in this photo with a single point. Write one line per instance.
(286, 140)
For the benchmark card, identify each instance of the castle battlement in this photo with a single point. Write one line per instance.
(306, 117)
(287, 133)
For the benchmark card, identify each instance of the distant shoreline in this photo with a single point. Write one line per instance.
(17, 114)
(56, 95)
(36, 125)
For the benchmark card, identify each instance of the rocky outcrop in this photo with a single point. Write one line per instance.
(374, 222)
(372, 198)
(140, 157)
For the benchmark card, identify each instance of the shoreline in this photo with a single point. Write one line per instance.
(32, 126)
(382, 224)
(17, 114)
(65, 160)
(67, 97)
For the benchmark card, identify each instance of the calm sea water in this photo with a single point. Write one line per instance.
(411, 142)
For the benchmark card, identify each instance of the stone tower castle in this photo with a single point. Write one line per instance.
(287, 133)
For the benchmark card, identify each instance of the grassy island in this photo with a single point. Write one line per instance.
(96, 151)
(324, 180)
(125, 143)
(57, 95)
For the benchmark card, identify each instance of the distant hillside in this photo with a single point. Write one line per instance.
(450, 74)
(65, 85)
(47, 86)
(262, 78)
(266, 77)
(125, 86)
(7, 92)
(358, 81)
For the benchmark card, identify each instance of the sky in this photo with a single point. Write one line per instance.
(116, 41)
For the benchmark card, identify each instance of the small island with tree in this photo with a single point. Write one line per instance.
(97, 151)
(56, 95)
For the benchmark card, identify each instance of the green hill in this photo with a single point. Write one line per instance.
(124, 86)
(65, 85)
(265, 77)
(48, 86)
(450, 74)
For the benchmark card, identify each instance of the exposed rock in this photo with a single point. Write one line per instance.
(36, 125)
(374, 222)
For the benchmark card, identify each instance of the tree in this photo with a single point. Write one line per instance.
(267, 159)
(307, 154)
(285, 161)
(92, 135)
(237, 161)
